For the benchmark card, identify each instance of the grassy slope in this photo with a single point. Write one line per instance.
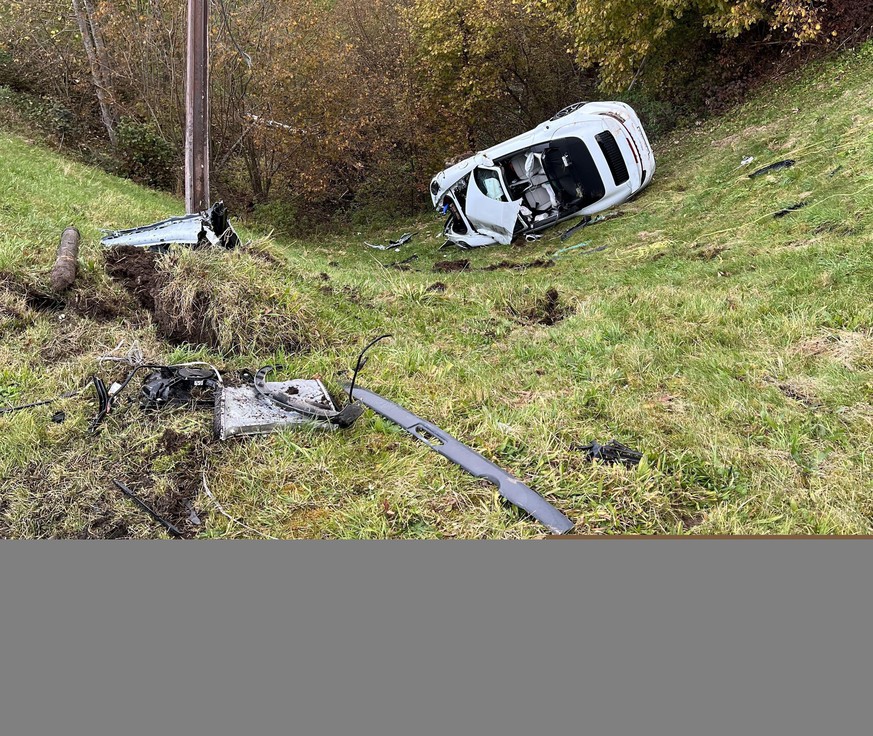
(735, 349)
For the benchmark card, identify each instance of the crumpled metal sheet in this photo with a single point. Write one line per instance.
(210, 227)
(242, 411)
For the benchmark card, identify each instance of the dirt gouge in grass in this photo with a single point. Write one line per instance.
(512, 489)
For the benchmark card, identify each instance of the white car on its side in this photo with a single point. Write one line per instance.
(585, 159)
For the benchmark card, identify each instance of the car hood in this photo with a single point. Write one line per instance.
(447, 178)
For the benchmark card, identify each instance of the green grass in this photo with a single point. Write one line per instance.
(733, 348)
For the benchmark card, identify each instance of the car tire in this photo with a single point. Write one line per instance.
(566, 111)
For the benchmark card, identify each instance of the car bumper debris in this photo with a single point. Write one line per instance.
(512, 489)
(201, 229)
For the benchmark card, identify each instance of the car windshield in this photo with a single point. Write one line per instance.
(488, 181)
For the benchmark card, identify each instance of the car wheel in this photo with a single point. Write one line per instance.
(566, 111)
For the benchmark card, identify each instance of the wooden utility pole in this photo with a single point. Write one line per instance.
(197, 108)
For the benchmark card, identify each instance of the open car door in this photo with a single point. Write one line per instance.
(488, 207)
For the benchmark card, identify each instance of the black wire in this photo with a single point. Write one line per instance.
(226, 22)
(68, 395)
(106, 402)
(361, 361)
(148, 509)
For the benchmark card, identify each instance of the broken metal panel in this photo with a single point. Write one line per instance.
(210, 227)
(394, 244)
(243, 411)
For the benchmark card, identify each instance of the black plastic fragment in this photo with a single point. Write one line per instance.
(59, 417)
(612, 453)
(148, 509)
(786, 164)
(790, 208)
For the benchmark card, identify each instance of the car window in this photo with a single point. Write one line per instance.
(489, 184)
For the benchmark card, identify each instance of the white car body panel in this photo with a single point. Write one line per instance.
(491, 217)
(488, 221)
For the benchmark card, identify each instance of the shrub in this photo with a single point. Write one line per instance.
(147, 157)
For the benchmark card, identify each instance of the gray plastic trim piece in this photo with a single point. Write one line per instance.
(512, 489)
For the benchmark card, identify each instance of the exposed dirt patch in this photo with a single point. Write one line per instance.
(99, 307)
(795, 391)
(542, 309)
(86, 300)
(172, 441)
(707, 254)
(538, 263)
(437, 288)
(462, 264)
(691, 520)
(196, 328)
(40, 301)
(854, 349)
(136, 270)
(838, 228)
(549, 310)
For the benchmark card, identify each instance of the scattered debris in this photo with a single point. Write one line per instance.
(438, 288)
(532, 237)
(133, 357)
(786, 164)
(538, 263)
(59, 417)
(747, 160)
(512, 489)
(587, 220)
(612, 453)
(64, 271)
(193, 518)
(179, 385)
(462, 264)
(394, 244)
(43, 402)
(148, 509)
(200, 229)
(404, 264)
(242, 410)
(571, 247)
(790, 208)
(836, 171)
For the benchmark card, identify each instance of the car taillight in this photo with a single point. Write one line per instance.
(633, 149)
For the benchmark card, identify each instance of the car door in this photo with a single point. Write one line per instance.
(488, 215)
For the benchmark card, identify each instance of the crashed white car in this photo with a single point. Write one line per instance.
(585, 159)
